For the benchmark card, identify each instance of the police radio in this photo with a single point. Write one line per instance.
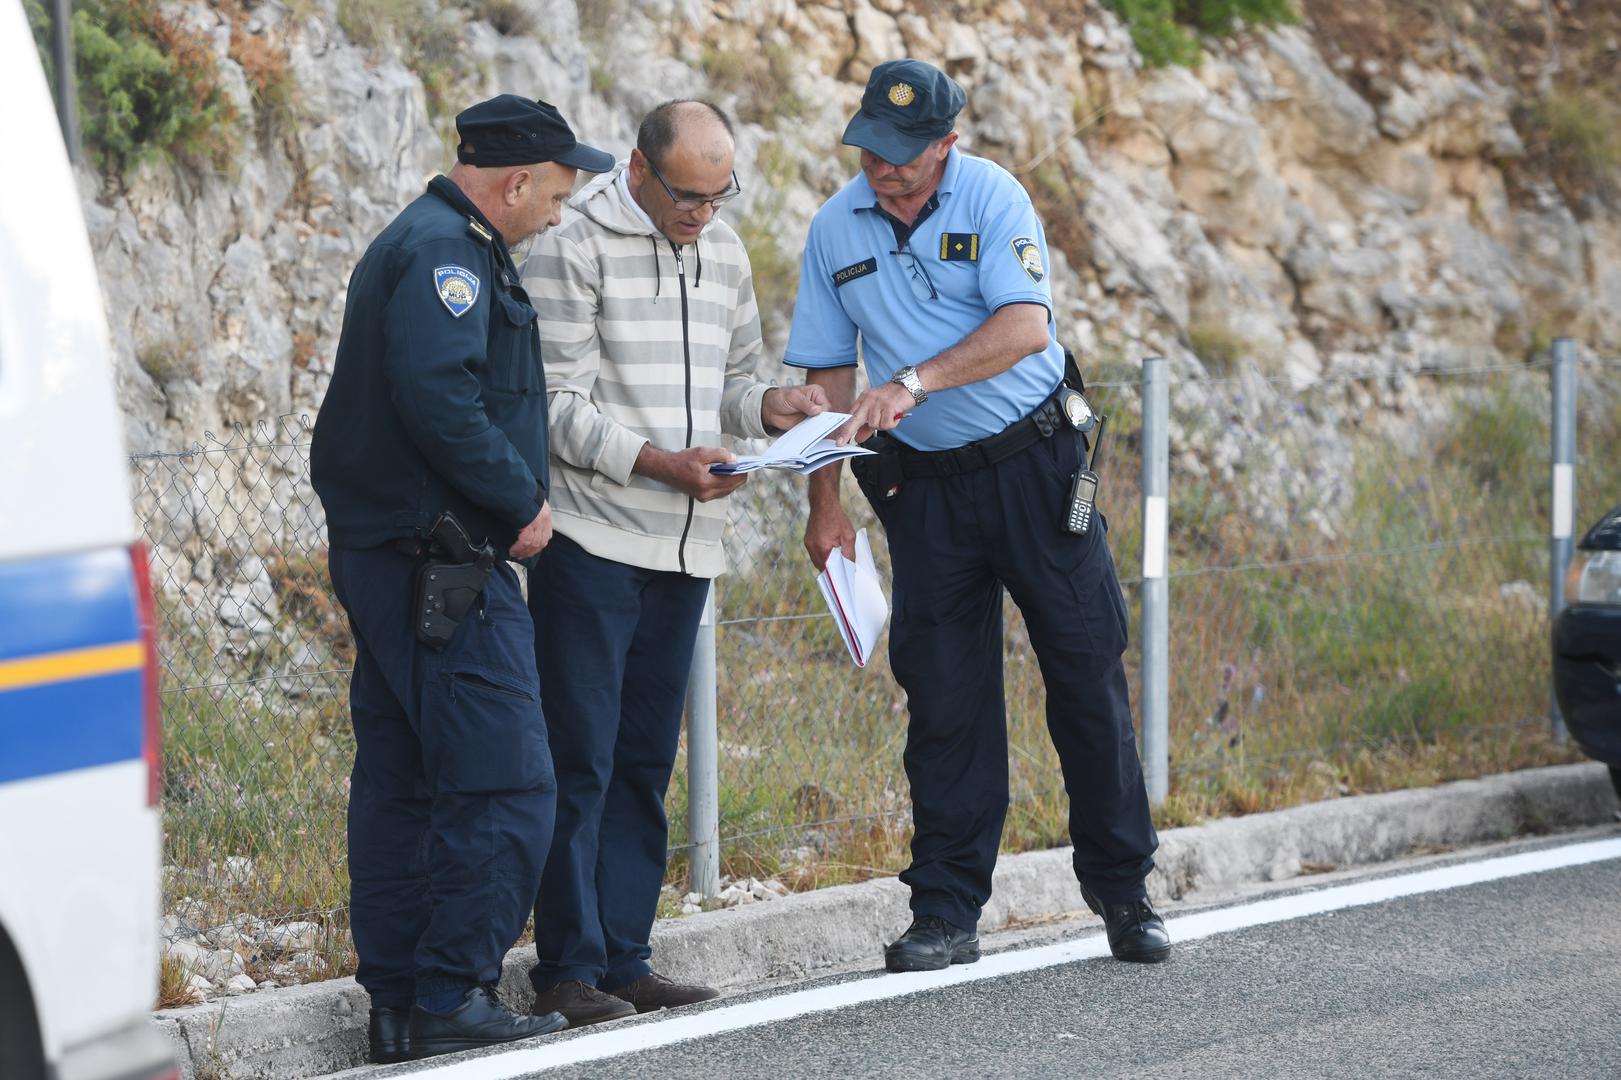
(1083, 492)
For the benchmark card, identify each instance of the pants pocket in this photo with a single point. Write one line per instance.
(482, 731)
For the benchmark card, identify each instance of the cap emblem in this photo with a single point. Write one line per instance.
(901, 94)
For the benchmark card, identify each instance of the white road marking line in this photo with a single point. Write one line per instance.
(528, 1058)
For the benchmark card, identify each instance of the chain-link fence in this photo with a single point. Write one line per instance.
(1358, 599)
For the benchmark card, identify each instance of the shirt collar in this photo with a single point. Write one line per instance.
(445, 188)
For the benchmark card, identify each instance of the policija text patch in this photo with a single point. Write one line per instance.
(866, 266)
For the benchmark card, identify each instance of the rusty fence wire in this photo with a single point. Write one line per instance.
(1357, 566)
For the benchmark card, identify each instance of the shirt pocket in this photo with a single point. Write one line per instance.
(514, 346)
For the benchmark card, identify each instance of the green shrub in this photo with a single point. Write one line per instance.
(1218, 348)
(1583, 149)
(39, 21)
(1164, 30)
(146, 87)
(429, 38)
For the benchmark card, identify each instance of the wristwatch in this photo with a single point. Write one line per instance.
(907, 377)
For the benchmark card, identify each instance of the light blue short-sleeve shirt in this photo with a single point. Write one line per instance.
(981, 249)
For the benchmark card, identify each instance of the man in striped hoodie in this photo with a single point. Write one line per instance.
(651, 341)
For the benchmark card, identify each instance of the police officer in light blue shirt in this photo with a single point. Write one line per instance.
(933, 263)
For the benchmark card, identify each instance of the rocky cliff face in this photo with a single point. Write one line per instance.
(1290, 204)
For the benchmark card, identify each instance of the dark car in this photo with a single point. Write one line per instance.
(1587, 645)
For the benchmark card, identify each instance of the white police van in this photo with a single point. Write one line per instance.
(79, 733)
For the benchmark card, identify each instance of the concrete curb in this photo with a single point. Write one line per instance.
(311, 1030)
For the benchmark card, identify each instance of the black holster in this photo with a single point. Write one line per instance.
(879, 475)
(449, 581)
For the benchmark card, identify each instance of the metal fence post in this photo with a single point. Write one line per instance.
(703, 760)
(1156, 607)
(65, 89)
(1562, 533)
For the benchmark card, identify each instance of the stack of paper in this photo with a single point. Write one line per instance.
(804, 448)
(856, 598)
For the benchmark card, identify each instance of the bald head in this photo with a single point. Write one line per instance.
(696, 126)
(684, 154)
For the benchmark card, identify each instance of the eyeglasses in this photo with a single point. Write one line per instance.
(918, 279)
(689, 202)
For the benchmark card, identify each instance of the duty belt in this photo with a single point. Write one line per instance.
(1045, 422)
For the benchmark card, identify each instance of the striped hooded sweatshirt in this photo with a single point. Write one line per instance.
(642, 342)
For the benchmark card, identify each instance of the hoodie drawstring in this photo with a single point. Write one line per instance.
(699, 251)
(658, 275)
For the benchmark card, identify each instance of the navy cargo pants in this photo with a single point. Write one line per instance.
(955, 543)
(614, 645)
(452, 798)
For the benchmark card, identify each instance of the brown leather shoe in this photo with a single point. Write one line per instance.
(580, 1004)
(653, 992)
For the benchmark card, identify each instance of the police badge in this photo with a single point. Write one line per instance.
(1029, 257)
(901, 94)
(457, 287)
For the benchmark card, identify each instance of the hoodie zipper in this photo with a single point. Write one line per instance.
(686, 357)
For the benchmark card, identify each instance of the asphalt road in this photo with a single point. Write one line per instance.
(1519, 977)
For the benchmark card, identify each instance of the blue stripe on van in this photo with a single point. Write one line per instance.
(66, 602)
(70, 725)
(55, 604)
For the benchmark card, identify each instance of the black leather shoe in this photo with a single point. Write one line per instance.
(930, 944)
(581, 1004)
(480, 1020)
(653, 992)
(1136, 932)
(389, 1033)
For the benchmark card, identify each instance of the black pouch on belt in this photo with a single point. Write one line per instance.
(449, 582)
(879, 474)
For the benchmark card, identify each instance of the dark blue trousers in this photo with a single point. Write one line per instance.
(956, 543)
(452, 796)
(613, 644)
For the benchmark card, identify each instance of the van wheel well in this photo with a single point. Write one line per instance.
(21, 1054)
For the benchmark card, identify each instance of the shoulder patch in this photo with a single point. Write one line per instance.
(866, 266)
(457, 287)
(1029, 255)
(959, 247)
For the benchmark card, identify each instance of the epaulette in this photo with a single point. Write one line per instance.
(479, 231)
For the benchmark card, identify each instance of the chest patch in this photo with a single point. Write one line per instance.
(1029, 257)
(866, 266)
(457, 287)
(959, 247)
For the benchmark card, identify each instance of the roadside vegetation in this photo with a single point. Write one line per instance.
(1407, 648)
(1167, 32)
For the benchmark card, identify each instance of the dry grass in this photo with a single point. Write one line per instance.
(1303, 668)
(1387, 656)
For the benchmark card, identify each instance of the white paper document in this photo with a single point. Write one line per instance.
(856, 598)
(803, 448)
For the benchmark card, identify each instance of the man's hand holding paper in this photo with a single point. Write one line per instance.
(855, 598)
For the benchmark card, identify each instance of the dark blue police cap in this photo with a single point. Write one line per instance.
(907, 105)
(510, 130)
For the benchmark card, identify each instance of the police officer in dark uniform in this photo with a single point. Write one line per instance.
(935, 261)
(430, 458)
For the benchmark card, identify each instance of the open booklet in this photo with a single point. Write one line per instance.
(855, 596)
(803, 448)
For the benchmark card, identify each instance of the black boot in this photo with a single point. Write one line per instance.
(480, 1020)
(930, 944)
(1136, 932)
(388, 1031)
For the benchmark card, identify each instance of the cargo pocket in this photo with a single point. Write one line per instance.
(482, 730)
